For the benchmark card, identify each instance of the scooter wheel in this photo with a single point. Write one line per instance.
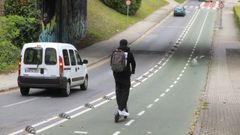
(116, 118)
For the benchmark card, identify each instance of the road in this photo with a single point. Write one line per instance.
(164, 94)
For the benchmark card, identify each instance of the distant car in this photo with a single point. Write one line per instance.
(51, 65)
(179, 11)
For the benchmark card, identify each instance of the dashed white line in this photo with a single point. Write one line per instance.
(141, 113)
(183, 71)
(171, 86)
(18, 103)
(167, 90)
(156, 100)
(144, 80)
(117, 133)
(162, 95)
(175, 82)
(129, 123)
(136, 85)
(149, 106)
(101, 103)
(150, 75)
(80, 132)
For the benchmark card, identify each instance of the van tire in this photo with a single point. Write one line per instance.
(24, 91)
(66, 91)
(84, 86)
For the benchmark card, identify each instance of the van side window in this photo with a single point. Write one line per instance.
(72, 57)
(79, 61)
(33, 56)
(50, 56)
(66, 57)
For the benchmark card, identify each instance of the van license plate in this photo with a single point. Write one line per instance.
(32, 70)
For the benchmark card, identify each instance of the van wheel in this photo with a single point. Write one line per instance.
(85, 84)
(66, 91)
(24, 91)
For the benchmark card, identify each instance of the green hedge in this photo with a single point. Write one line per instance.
(120, 6)
(14, 32)
(9, 56)
(236, 11)
(19, 30)
(25, 8)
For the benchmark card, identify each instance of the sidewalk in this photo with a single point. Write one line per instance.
(222, 116)
(102, 50)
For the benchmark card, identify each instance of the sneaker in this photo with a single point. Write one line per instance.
(124, 113)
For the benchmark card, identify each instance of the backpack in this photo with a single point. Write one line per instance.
(118, 61)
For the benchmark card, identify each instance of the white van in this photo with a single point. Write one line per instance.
(51, 65)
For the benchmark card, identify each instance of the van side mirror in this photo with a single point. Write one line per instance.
(85, 61)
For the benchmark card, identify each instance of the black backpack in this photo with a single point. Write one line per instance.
(118, 61)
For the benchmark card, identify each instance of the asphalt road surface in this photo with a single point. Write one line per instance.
(172, 66)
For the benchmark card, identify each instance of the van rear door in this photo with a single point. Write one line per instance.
(51, 62)
(33, 62)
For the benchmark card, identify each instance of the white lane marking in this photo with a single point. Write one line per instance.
(17, 132)
(136, 85)
(144, 80)
(114, 97)
(75, 109)
(129, 123)
(150, 75)
(141, 113)
(178, 78)
(117, 133)
(149, 106)
(171, 86)
(50, 126)
(156, 100)
(110, 94)
(185, 67)
(162, 95)
(167, 90)
(183, 71)
(45, 121)
(80, 113)
(80, 132)
(96, 100)
(22, 102)
(180, 75)
(101, 103)
(139, 78)
(175, 82)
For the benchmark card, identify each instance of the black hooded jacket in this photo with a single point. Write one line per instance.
(124, 77)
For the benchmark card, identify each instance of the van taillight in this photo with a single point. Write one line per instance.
(19, 66)
(60, 66)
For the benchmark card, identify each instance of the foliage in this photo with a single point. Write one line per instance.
(180, 1)
(120, 6)
(19, 30)
(9, 55)
(236, 11)
(25, 8)
(100, 28)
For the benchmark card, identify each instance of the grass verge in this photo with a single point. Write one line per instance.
(236, 10)
(104, 22)
(180, 1)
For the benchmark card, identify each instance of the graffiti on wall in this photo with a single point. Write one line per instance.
(63, 20)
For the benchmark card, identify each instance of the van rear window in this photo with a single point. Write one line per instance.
(50, 56)
(33, 56)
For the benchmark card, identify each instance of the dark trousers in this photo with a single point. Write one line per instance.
(122, 93)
